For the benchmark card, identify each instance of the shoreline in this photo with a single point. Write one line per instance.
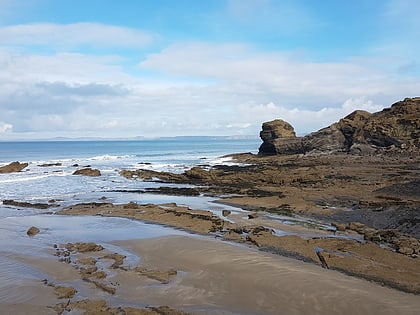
(302, 210)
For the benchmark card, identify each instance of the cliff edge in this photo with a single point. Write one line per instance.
(397, 127)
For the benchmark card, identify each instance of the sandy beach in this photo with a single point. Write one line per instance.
(202, 267)
(212, 277)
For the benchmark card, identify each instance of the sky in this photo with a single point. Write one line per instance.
(131, 68)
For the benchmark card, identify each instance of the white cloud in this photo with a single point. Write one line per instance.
(74, 35)
(4, 127)
(286, 78)
(74, 68)
(192, 88)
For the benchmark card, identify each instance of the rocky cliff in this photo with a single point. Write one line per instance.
(397, 127)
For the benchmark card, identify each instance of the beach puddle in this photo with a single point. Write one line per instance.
(17, 248)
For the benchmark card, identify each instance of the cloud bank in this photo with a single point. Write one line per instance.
(98, 79)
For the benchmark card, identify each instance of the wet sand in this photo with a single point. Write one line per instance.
(221, 276)
(213, 277)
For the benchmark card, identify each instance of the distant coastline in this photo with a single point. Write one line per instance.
(137, 138)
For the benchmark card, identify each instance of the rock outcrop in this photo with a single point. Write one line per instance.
(33, 230)
(24, 204)
(397, 127)
(13, 167)
(275, 134)
(88, 172)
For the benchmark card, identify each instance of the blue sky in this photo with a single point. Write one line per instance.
(107, 68)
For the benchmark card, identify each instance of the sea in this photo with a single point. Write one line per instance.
(48, 176)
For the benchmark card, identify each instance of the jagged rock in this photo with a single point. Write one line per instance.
(33, 230)
(396, 128)
(397, 125)
(13, 167)
(87, 172)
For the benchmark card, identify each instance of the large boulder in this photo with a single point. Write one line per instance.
(358, 132)
(13, 167)
(276, 133)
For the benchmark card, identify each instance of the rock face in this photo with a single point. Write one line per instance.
(13, 167)
(274, 134)
(360, 132)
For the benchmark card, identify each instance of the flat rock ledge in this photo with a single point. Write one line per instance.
(398, 259)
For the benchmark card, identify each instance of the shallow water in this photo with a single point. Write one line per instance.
(56, 229)
(16, 246)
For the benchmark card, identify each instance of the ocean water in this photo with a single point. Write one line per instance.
(38, 183)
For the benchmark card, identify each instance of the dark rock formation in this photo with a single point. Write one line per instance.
(397, 127)
(275, 133)
(50, 164)
(24, 204)
(87, 172)
(13, 167)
